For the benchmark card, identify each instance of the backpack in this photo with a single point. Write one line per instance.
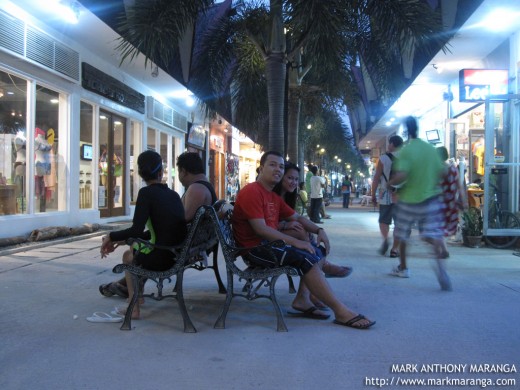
(392, 159)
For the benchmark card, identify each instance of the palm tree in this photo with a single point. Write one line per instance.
(333, 35)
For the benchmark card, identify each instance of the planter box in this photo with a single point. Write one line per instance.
(472, 241)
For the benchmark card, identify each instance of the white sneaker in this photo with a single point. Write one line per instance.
(401, 273)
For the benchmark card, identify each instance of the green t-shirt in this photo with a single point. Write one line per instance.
(423, 167)
(308, 177)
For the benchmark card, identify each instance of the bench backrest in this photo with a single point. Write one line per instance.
(220, 215)
(201, 236)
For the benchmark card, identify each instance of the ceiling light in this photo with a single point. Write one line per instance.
(70, 11)
(500, 19)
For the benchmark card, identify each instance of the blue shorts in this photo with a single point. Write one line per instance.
(429, 216)
(302, 260)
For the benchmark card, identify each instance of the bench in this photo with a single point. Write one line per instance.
(201, 239)
(255, 276)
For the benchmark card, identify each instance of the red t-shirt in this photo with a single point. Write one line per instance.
(255, 202)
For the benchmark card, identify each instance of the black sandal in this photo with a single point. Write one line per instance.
(104, 290)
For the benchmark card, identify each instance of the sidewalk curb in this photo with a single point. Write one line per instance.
(42, 244)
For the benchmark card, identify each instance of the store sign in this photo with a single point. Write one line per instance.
(475, 85)
(499, 171)
(99, 82)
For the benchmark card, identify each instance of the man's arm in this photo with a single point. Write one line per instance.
(311, 227)
(398, 178)
(376, 180)
(270, 234)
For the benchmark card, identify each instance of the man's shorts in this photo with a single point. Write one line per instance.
(428, 215)
(386, 213)
(302, 260)
(156, 260)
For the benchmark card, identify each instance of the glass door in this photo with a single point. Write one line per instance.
(502, 169)
(112, 165)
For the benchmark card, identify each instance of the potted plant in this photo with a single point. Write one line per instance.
(472, 227)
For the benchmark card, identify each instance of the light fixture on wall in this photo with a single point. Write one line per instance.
(155, 71)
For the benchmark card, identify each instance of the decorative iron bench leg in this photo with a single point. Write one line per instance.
(127, 322)
(221, 320)
(221, 288)
(281, 327)
(292, 290)
(188, 325)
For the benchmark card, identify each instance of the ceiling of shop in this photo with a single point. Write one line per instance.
(473, 42)
(103, 44)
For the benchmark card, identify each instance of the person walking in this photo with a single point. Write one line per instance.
(346, 189)
(317, 184)
(419, 169)
(387, 195)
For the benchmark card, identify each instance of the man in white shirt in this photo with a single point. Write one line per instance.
(317, 184)
(387, 196)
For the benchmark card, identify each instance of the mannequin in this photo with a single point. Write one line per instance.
(19, 168)
(19, 164)
(42, 165)
(478, 156)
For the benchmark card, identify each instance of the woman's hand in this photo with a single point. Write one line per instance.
(294, 225)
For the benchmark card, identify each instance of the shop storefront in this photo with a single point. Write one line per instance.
(71, 131)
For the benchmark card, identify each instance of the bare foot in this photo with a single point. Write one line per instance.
(319, 304)
(121, 311)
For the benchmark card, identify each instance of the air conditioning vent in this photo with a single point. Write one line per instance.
(167, 115)
(38, 47)
(66, 60)
(11, 34)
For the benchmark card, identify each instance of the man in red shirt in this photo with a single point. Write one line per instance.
(256, 215)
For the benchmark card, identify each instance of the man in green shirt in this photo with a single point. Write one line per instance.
(419, 169)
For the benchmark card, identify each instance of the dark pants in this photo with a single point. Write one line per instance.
(346, 199)
(315, 209)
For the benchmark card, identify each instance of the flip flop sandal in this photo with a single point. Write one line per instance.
(394, 253)
(308, 313)
(352, 322)
(118, 289)
(105, 291)
(99, 316)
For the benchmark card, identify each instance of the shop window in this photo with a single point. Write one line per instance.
(86, 150)
(49, 163)
(13, 143)
(135, 149)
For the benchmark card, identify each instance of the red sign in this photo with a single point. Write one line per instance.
(475, 85)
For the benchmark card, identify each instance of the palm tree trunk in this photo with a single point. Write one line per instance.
(293, 124)
(275, 76)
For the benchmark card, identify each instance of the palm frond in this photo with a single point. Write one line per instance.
(154, 28)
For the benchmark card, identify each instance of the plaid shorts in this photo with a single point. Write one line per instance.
(428, 215)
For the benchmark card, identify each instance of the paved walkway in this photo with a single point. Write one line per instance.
(43, 345)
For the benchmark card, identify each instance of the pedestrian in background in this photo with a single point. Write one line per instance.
(346, 189)
(419, 169)
(387, 195)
